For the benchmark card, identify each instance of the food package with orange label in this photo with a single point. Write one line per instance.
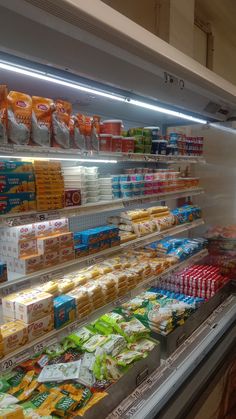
(77, 138)
(3, 114)
(40, 327)
(26, 265)
(41, 121)
(14, 335)
(34, 307)
(61, 124)
(19, 117)
(18, 249)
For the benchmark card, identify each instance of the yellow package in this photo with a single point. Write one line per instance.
(41, 120)
(3, 114)
(12, 412)
(19, 117)
(95, 399)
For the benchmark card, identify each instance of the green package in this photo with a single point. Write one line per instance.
(81, 336)
(127, 357)
(103, 327)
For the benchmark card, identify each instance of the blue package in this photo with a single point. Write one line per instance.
(64, 310)
(81, 250)
(3, 272)
(77, 238)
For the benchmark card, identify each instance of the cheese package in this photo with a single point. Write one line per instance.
(51, 258)
(65, 239)
(50, 287)
(158, 210)
(26, 265)
(43, 229)
(45, 244)
(59, 226)
(66, 254)
(8, 303)
(135, 214)
(40, 327)
(14, 335)
(18, 249)
(25, 232)
(34, 307)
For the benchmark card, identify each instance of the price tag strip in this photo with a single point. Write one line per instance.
(36, 346)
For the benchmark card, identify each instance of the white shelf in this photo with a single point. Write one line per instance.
(39, 344)
(36, 151)
(10, 220)
(47, 274)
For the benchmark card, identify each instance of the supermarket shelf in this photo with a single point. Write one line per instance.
(39, 344)
(10, 220)
(46, 274)
(47, 152)
(155, 393)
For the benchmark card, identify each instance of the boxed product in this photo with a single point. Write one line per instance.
(26, 265)
(16, 166)
(72, 197)
(47, 244)
(34, 307)
(64, 310)
(66, 239)
(3, 272)
(40, 327)
(25, 232)
(43, 229)
(59, 226)
(81, 250)
(14, 335)
(19, 249)
(8, 303)
(17, 182)
(18, 202)
(51, 258)
(66, 253)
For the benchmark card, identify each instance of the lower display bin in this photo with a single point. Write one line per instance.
(126, 385)
(171, 341)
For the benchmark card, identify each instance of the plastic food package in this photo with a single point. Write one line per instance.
(3, 114)
(127, 357)
(41, 121)
(19, 117)
(60, 124)
(60, 372)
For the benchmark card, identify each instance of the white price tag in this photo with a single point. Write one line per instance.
(8, 364)
(39, 347)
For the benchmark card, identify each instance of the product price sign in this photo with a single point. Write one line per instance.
(8, 364)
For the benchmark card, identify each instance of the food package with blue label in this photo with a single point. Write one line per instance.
(16, 166)
(17, 182)
(81, 250)
(64, 310)
(3, 272)
(17, 202)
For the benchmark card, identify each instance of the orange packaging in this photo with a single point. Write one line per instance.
(88, 125)
(81, 123)
(41, 120)
(19, 117)
(61, 124)
(3, 114)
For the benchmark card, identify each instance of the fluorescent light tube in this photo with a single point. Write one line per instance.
(166, 111)
(67, 83)
(62, 82)
(60, 159)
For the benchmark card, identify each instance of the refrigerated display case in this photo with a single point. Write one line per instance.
(104, 64)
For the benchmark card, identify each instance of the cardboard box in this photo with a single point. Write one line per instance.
(48, 244)
(15, 183)
(18, 249)
(66, 239)
(64, 310)
(40, 327)
(43, 229)
(14, 335)
(25, 232)
(51, 258)
(59, 226)
(8, 303)
(17, 202)
(34, 307)
(26, 265)
(67, 253)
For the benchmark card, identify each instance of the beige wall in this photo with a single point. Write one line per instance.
(173, 21)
